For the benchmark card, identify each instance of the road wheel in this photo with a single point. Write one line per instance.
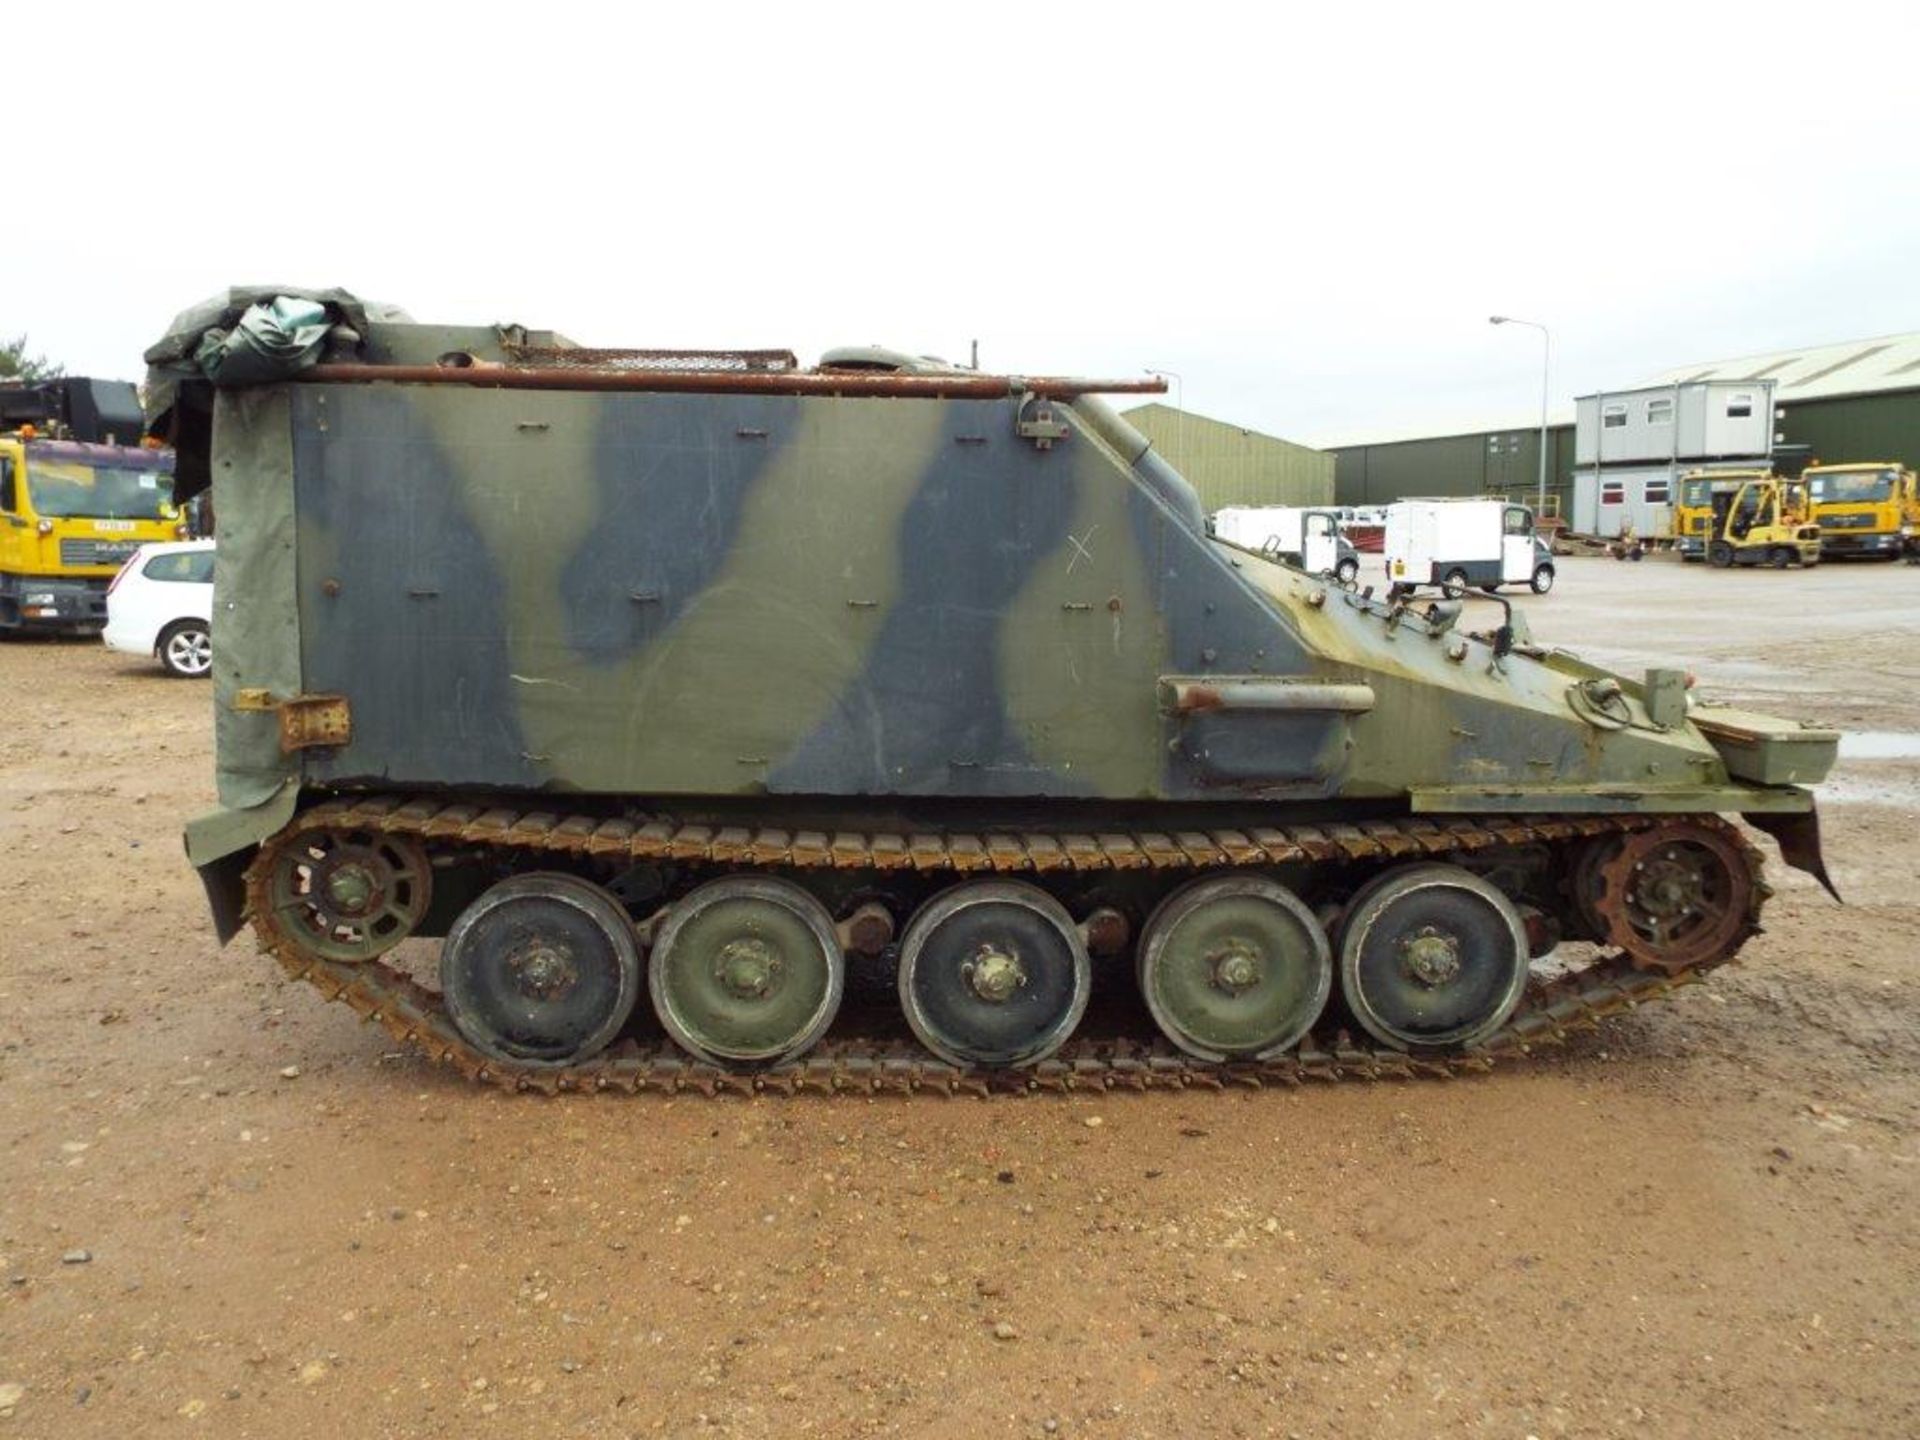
(1347, 571)
(1454, 583)
(186, 649)
(993, 972)
(542, 969)
(1720, 554)
(1780, 557)
(1234, 968)
(1432, 958)
(1542, 580)
(747, 970)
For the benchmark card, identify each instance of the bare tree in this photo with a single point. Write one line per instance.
(17, 364)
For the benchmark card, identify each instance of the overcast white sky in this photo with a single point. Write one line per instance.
(1309, 219)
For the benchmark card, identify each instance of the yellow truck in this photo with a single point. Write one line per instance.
(78, 495)
(1870, 509)
(1693, 510)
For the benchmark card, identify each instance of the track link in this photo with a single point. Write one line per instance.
(413, 1015)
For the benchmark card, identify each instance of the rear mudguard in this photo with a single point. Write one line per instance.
(221, 844)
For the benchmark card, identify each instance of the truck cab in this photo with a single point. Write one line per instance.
(1870, 509)
(72, 510)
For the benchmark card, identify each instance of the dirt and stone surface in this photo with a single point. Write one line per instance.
(227, 1208)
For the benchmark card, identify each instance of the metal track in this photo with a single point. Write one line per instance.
(414, 1016)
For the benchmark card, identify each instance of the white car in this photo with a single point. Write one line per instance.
(161, 605)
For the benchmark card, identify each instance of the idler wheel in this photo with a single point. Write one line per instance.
(1234, 968)
(747, 970)
(1678, 895)
(993, 973)
(349, 895)
(1432, 958)
(542, 969)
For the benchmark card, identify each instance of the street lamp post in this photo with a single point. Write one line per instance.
(1546, 368)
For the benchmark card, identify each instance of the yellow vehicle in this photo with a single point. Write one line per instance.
(1866, 509)
(1693, 511)
(73, 506)
(1768, 521)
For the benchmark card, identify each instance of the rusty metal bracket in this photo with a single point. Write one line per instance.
(1036, 422)
(306, 721)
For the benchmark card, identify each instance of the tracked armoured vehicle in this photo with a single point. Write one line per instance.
(890, 725)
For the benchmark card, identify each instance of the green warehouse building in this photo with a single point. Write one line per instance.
(1232, 465)
(1854, 400)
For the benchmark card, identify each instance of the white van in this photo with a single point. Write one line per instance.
(1303, 536)
(1457, 543)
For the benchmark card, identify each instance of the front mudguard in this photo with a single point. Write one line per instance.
(1798, 836)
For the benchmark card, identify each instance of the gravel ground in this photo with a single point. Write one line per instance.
(231, 1210)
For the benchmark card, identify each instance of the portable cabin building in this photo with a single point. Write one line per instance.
(1630, 447)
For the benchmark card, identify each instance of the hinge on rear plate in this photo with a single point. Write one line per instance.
(305, 720)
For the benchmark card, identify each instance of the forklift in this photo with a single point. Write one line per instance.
(1766, 521)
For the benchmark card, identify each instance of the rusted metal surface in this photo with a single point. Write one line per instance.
(868, 930)
(572, 357)
(312, 720)
(1551, 1011)
(943, 386)
(305, 720)
(1106, 931)
(1680, 894)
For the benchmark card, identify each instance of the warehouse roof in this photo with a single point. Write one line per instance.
(1147, 414)
(1816, 372)
(1558, 416)
(1804, 372)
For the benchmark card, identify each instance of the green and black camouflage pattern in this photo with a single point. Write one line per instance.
(796, 604)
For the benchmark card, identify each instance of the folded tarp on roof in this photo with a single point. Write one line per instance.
(251, 334)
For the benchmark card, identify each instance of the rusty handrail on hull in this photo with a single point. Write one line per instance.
(806, 382)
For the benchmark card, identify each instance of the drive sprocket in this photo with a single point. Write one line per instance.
(1680, 894)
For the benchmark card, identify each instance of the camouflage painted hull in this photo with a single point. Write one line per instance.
(933, 674)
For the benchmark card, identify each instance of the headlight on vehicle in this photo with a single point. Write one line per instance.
(45, 527)
(38, 597)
